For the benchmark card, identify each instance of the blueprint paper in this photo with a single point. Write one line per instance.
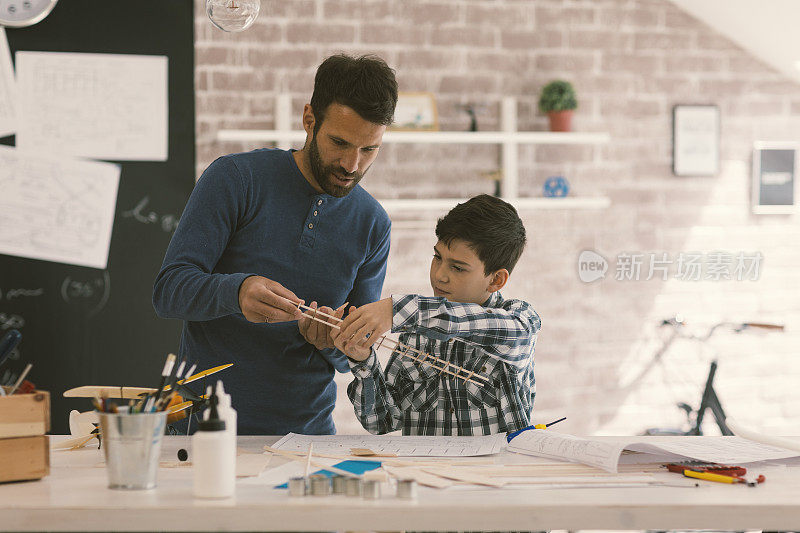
(99, 106)
(56, 209)
(402, 446)
(8, 89)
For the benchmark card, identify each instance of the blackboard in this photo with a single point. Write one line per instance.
(85, 326)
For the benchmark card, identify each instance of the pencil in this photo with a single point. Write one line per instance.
(708, 476)
(555, 421)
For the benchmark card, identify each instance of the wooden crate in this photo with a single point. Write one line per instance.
(25, 415)
(24, 458)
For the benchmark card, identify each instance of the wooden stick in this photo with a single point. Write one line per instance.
(326, 315)
(73, 443)
(21, 379)
(512, 470)
(450, 472)
(421, 361)
(393, 461)
(308, 459)
(82, 443)
(318, 464)
(423, 478)
(438, 360)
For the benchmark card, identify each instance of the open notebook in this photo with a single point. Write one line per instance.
(605, 453)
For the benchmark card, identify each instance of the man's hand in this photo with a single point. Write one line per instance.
(363, 326)
(316, 332)
(264, 300)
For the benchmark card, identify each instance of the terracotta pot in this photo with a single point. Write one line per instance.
(560, 120)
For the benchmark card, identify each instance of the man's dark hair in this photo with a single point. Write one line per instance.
(489, 226)
(365, 84)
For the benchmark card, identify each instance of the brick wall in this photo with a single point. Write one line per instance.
(630, 61)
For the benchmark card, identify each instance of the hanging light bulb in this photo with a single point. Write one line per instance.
(232, 15)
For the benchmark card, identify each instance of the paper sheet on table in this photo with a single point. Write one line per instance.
(8, 89)
(278, 476)
(56, 209)
(606, 455)
(402, 446)
(100, 106)
(750, 434)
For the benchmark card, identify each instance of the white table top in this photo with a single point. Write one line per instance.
(75, 497)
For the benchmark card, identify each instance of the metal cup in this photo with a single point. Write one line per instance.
(339, 484)
(132, 445)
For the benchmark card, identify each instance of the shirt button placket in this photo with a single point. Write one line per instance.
(311, 221)
(319, 202)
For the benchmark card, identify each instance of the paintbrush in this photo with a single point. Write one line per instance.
(169, 364)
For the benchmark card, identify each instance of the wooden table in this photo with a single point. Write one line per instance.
(74, 497)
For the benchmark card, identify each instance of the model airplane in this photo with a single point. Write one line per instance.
(84, 427)
(133, 393)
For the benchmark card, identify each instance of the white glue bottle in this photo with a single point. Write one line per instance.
(213, 457)
(224, 408)
(226, 411)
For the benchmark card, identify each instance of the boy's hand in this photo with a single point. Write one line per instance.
(364, 325)
(351, 350)
(316, 332)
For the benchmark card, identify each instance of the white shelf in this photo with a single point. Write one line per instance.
(444, 204)
(433, 137)
(509, 139)
(261, 135)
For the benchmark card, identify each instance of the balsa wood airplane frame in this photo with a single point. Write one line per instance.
(405, 350)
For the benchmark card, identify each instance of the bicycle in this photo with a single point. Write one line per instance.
(709, 399)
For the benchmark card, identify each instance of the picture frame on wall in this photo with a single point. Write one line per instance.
(416, 111)
(695, 140)
(774, 177)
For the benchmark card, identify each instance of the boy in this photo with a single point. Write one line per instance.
(479, 242)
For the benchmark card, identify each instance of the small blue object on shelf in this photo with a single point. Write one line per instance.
(556, 187)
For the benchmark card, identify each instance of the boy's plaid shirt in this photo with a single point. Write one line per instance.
(419, 400)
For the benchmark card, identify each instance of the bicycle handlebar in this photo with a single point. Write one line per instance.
(677, 322)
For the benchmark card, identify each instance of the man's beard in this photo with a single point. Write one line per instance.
(323, 174)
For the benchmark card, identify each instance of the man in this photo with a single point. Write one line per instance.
(266, 230)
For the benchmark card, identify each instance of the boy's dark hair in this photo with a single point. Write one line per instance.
(365, 84)
(489, 226)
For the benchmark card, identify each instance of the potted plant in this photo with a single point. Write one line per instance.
(558, 101)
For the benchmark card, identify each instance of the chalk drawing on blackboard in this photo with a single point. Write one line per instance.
(11, 321)
(142, 214)
(92, 291)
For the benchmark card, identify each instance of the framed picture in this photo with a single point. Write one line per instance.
(695, 140)
(774, 177)
(416, 111)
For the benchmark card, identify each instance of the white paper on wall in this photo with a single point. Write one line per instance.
(56, 208)
(8, 89)
(100, 106)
